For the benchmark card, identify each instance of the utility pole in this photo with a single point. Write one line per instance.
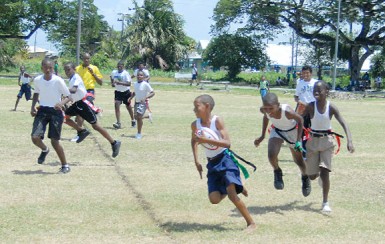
(80, 3)
(336, 45)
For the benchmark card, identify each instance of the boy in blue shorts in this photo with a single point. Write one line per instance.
(49, 90)
(25, 88)
(222, 172)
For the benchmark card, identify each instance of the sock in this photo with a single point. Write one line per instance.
(113, 142)
(46, 150)
(65, 166)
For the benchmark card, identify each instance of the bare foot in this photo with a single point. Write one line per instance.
(250, 228)
(244, 192)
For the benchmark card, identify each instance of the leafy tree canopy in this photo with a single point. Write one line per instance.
(311, 20)
(20, 19)
(234, 52)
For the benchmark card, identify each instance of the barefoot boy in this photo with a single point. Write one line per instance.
(222, 172)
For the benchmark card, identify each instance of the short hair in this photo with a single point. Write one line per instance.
(86, 54)
(307, 67)
(270, 98)
(45, 61)
(70, 64)
(207, 99)
(121, 63)
(323, 84)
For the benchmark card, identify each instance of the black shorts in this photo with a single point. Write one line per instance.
(48, 116)
(123, 96)
(25, 89)
(83, 110)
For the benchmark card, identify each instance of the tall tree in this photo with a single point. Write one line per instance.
(312, 20)
(156, 32)
(234, 52)
(63, 33)
(20, 19)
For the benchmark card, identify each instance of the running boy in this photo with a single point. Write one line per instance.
(143, 91)
(85, 109)
(142, 67)
(24, 83)
(321, 145)
(121, 80)
(222, 172)
(49, 88)
(287, 126)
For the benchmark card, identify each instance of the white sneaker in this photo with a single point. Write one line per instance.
(326, 208)
(75, 139)
(138, 136)
(150, 117)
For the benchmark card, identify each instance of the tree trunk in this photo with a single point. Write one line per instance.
(354, 63)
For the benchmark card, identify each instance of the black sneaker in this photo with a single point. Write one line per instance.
(82, 135)
(278, 181)
(42, 156)
(306, 186)
(115, 148)
(64, 170)
(133, 123)
(117, 125)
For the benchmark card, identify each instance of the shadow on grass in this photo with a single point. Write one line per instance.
(279, 209)
(32, 172)
(190, 227)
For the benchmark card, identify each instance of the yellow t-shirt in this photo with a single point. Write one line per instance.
(88, 79)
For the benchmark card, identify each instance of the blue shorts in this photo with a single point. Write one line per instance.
(48, 116)
(25, 89)
(263, 92)
(221, 172)
(194, 77)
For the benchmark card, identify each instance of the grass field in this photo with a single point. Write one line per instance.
(152, 193)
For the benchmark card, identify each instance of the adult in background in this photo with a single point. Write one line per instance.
(121, 80)
(90, 75)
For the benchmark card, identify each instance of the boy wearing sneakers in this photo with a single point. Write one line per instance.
(287, 126)
(320, 146)
(85, 109)
(142, 92)
(121, 80)
(49, 90)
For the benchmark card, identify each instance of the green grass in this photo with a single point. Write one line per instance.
(151, 193)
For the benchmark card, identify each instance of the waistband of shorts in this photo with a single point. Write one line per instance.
(219, 155)
(320, 134)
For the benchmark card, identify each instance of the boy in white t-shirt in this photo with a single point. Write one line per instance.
(49, 89)
(121, 80)
(142, 92)
(85, 109)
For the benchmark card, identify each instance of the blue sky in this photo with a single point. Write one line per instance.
(196, 14)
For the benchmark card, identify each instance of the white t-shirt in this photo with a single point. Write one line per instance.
(81, 91)
(304, 90)
(141, 90)
(145, 71)
(51, 91)
(24, 80)
(123, 77)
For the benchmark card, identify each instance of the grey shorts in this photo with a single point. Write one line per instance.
(140, 108)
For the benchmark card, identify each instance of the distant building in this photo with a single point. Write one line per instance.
(38, 52)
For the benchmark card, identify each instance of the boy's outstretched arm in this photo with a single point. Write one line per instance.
(334, 111)
(194, 147)
(265, 123)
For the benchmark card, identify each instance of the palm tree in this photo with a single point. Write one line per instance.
(155, 31)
